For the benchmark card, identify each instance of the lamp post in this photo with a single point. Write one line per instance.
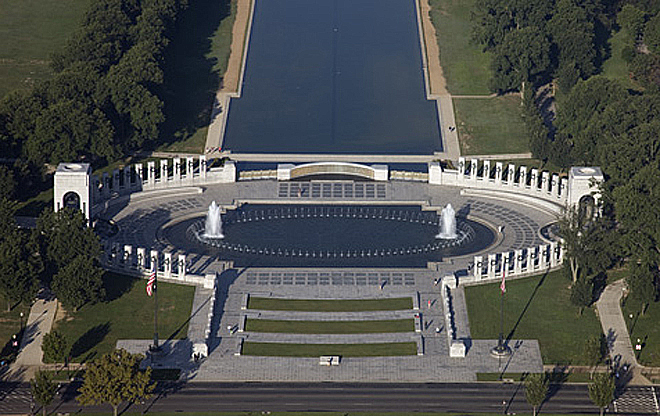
(21, 315)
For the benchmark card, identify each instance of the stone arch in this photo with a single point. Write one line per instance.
(587, 207)
(374, 172)
(71, 200)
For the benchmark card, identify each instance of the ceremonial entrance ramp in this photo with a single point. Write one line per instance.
(333, 77)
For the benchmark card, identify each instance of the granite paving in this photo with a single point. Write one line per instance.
(139, 223)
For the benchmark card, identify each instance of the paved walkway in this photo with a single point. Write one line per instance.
(616, 332)
(40, 322)
(435, 365)
(503, 156)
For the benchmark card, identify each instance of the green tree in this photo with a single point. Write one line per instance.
(19, 263)
(582, 294)
(43, 389)
(571, 225)
(522, 56)
(115, 378)
(601, 391)
(576, 113)
(637, 210)
(20, 110)
(7, 183)
(103, 36)
(494, 19)
(69, 130)
(595, 350)
(641, 283)
(65, 236)
(631, 19)
(55, 347)
(652, 34)
(78, 283)
(645, 69)
(536, 390)
(572, 32)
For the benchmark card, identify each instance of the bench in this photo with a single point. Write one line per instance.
(329, 360)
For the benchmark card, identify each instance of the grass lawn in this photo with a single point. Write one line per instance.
(272, 349)
(464, 65)
(491, 126)
(196, 61)
(330, 327)
(313, 305)
(33, 206)
(615, 67)
(534, 308)
(30, 30)
(128, 314)
(644, 327)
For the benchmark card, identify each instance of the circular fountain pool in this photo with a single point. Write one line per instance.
(322, 235)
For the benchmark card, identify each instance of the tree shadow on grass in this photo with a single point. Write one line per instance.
(529, 302)
(89, 340)
(116, 285)
(190, 78)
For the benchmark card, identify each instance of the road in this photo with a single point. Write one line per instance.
(207, 397)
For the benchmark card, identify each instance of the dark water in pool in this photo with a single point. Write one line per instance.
(334, 76)
(330, 236)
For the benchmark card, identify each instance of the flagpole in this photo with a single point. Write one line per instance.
(156, 346)
(501, 350)
(500, 342)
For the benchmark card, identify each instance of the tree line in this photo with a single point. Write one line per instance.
(106, 97)
(532, 41)
(62, 253)
(597, 121)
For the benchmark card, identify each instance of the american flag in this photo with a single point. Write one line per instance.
(151, 283)
(503, 284)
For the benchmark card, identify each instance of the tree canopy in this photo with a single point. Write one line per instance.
(43, 389)
(72, 250)
(601, 390)
(115, 378)
(105, 98)
(536, 390)
(562, 39)
(55, 347)
(20, 263)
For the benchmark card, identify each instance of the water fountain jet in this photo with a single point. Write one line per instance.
(447, 224)
(213, 226)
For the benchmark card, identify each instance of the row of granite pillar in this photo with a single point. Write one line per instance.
(126, 258)
(513, 263)
(155, 173)
(512, 176)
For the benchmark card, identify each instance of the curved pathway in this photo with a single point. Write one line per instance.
(616, 332)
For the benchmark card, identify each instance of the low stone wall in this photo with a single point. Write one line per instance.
(517, 263)
(160, 174)
(251, 175)
(140, 262)
(288, 171)
(511, 178)
(403, 175)
(482, 174)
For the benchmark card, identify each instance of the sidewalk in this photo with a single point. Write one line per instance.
(40, 322)
(616, 332)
